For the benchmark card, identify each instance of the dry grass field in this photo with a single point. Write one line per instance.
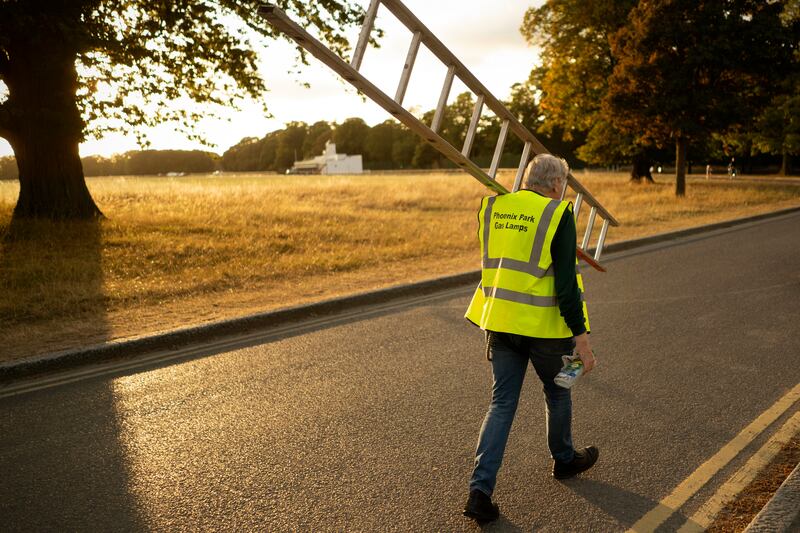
(182, 251)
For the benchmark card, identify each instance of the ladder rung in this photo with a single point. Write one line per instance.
(577, 208)
(589, 227)
(363, 38)
(473, 126)
(601, 241)
(407, 67)
(448, 84)
(523, 164)
(498, 150)
(564, 189)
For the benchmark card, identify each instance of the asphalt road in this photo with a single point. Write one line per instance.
(370, 423)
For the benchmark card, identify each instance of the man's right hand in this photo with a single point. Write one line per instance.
(584, 350)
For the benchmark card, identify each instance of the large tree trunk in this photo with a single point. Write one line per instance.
(51, 178)
(680, 165)
(42, 123)
(784, 171)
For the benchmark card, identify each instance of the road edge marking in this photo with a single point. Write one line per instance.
(705, 516)
(703, 474)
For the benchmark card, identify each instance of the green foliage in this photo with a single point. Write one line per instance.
(606, 145)
(686, 68)
(379, 144)
(135, 162)
(403, 146)
(142, 62)
(627, 75)
(524, 106)
(318, 134)
(573, 36)
(267, 150)
(289, 147)
(153, 162)
(164, 161)
(246, 155)
(349, 136)
(778, 128)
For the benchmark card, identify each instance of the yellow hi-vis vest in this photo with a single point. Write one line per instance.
(517, 293)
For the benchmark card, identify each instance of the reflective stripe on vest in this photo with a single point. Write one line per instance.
(521, 297)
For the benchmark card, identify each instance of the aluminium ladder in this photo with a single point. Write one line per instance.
(421, 35)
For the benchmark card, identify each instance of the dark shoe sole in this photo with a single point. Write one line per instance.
(576, 472)
(479, 517)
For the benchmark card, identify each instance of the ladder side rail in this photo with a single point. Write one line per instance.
(564, 190)
(282, 22)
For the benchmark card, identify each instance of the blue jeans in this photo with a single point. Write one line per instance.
(510, 355)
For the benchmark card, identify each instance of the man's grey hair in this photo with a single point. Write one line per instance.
(546, 171)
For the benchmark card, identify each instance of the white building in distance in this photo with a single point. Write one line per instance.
(329, 163)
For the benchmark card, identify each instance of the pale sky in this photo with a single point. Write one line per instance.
(483, 35)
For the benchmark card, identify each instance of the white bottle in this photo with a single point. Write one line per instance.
(570, 372)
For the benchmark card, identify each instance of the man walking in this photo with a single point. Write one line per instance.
(530, 303)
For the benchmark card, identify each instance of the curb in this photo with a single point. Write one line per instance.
(782, 511)
(174, 339)
(672, 235)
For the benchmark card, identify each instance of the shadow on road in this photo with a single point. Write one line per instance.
(503, 525)
(63, 465)
(625, 506)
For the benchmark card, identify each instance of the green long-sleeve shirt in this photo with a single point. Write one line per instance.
(563, 251)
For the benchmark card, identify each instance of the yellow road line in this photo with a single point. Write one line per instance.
(703, 518)
(689, 486)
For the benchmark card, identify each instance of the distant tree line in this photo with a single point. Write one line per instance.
(150, 162)
(135, 162)
(390, 145)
